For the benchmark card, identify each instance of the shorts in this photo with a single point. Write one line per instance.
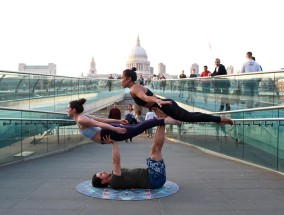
(157, 173)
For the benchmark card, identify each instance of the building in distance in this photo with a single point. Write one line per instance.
(49, 69)
(138, 58)
(195, 67)
(93, 70)
(161, 69)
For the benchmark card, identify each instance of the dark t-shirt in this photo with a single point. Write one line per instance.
(182, 76)
(131, 178)
(114, 113)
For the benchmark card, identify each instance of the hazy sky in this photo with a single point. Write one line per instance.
(178, 32)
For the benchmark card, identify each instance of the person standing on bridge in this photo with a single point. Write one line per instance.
(251, 84)
(96, 128)
(114, 112)
(146, 98)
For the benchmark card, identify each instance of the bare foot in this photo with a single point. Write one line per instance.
(171, 121)
(225, 120)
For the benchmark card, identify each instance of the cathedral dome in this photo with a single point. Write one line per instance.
(138, 58)
(138, 52)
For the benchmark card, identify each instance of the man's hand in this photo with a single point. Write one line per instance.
(107, 140)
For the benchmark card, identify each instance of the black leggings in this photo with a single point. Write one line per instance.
(132, 130)
(178, 113)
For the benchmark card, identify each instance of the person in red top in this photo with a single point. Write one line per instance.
(114, 113)
(205, 83)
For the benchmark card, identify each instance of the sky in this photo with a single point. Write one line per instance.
(177, 33)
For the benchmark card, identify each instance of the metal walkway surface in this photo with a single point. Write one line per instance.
(208, 184)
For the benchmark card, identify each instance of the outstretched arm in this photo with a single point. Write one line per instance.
(86, 121)
(116, 159)
(115, 156)
(108, 121)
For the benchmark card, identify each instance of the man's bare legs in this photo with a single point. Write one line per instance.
(157, 145)
(159, 138)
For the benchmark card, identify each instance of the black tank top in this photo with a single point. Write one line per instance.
(142, 102)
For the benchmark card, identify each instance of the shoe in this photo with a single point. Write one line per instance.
(126, 140)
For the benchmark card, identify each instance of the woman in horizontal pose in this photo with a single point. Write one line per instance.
(144, 97)
(96, 128)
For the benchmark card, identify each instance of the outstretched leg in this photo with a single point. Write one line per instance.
(183, 115)
(135, 130)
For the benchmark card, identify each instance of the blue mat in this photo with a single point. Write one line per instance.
(87, 189)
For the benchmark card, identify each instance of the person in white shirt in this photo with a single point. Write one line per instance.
(250, 84)
(129, 115)
(250, 65)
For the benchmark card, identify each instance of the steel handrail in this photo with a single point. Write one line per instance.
(35, 119)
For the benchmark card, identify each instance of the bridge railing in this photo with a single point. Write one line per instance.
(51, 92)
(257, 135)
(23, 138)
(240, 91)
(256, 140)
